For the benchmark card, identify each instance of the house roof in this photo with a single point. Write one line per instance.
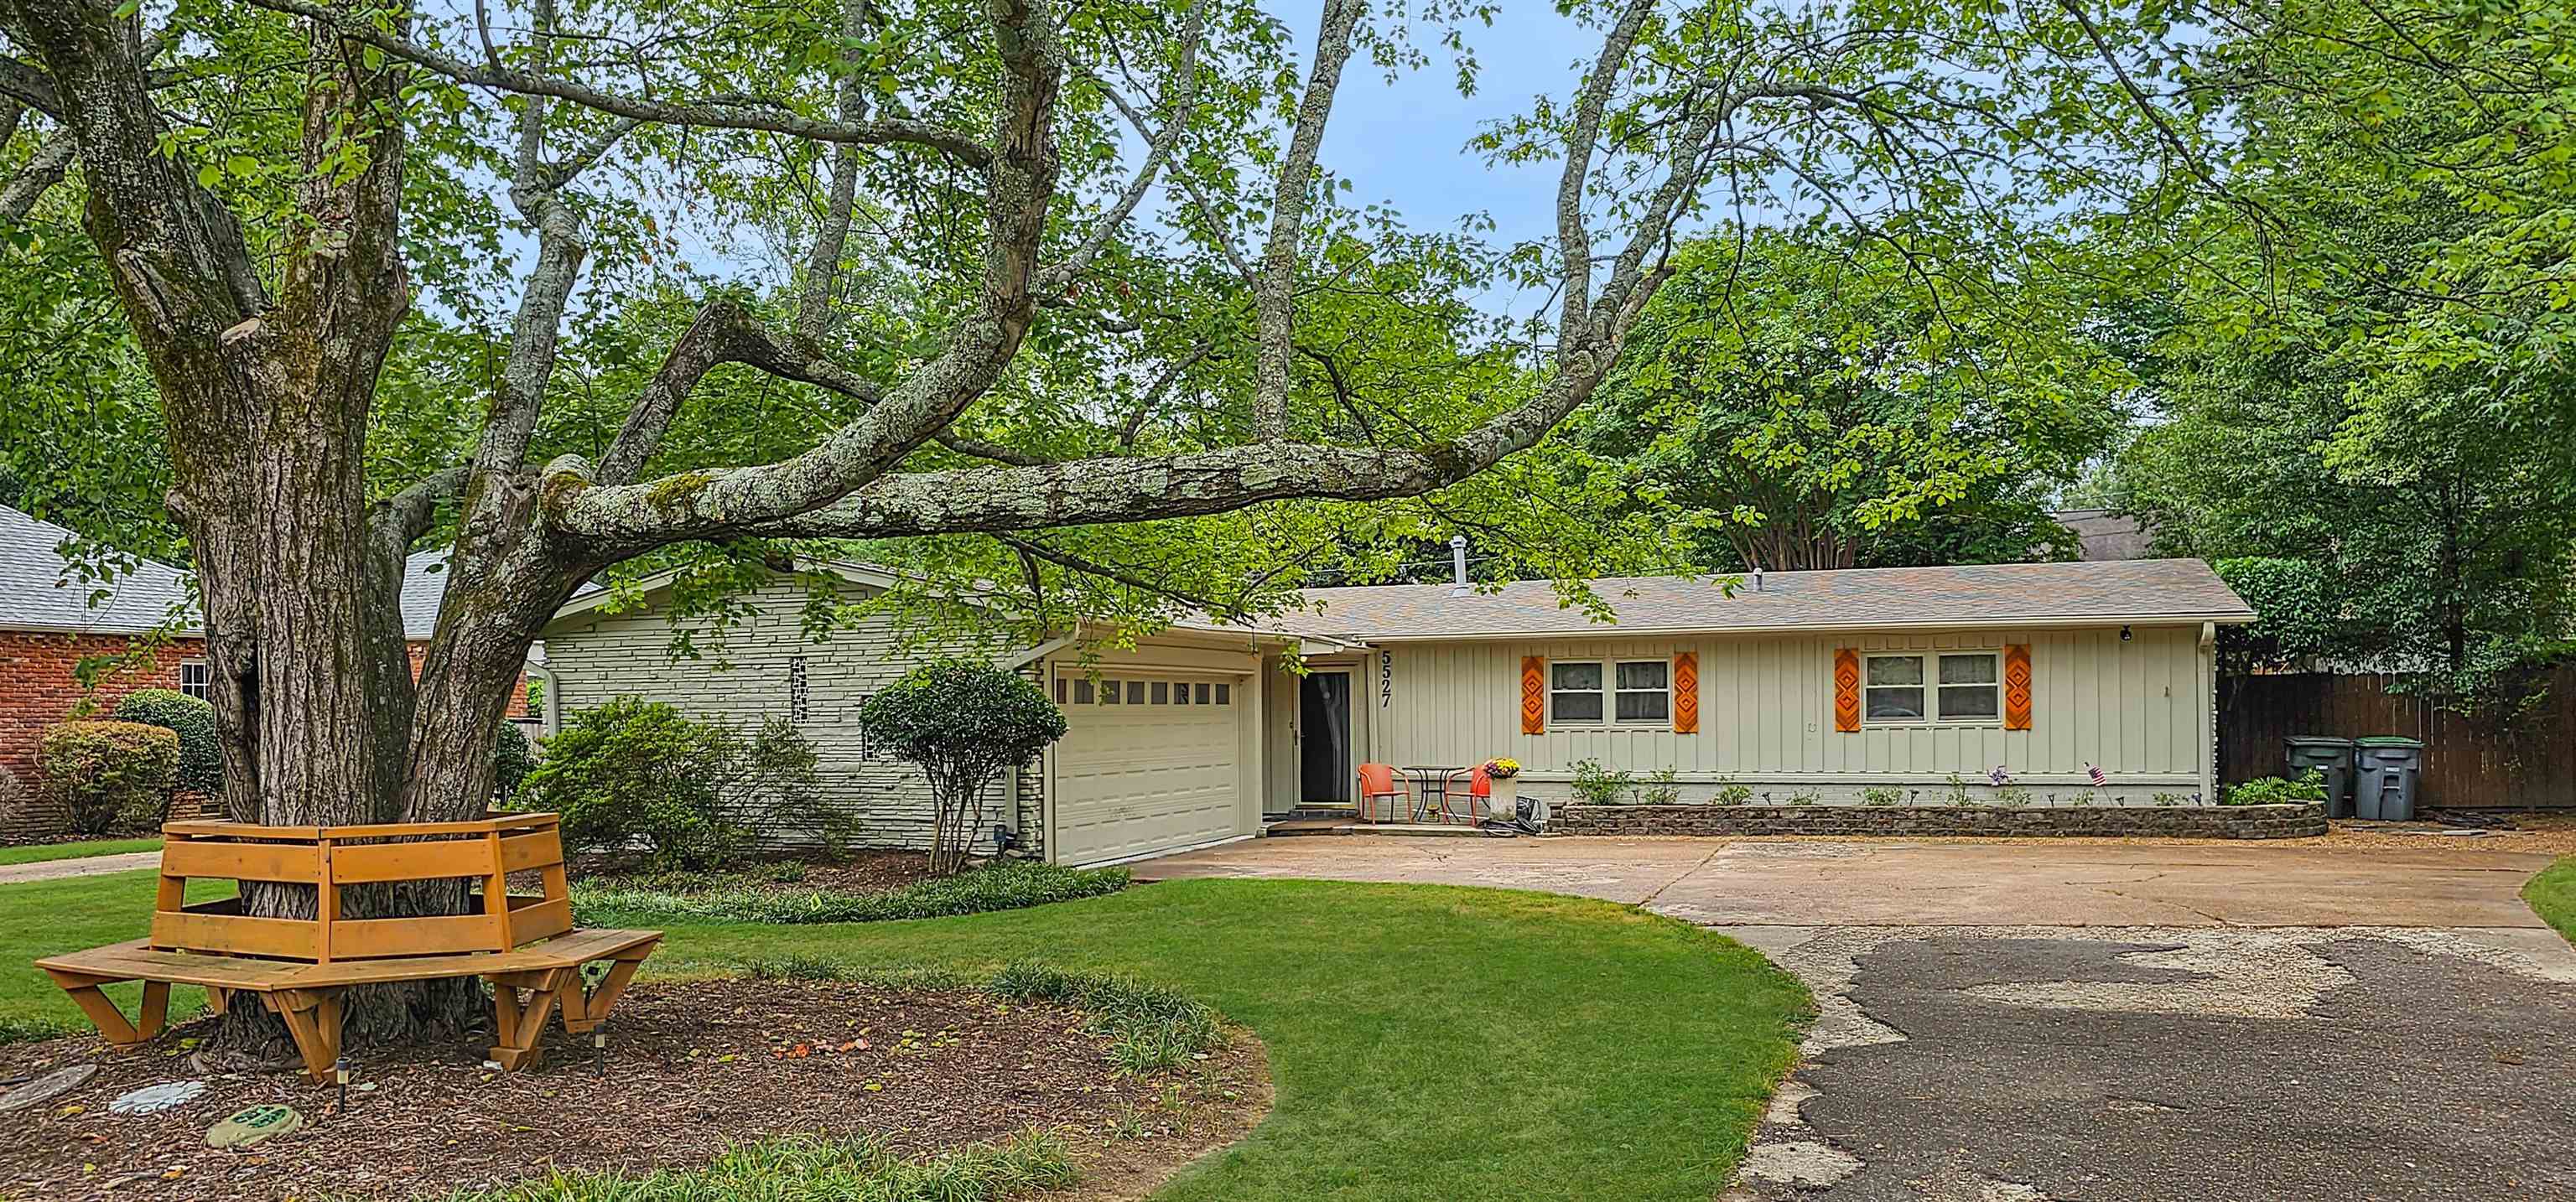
(39, 592)
(1989, 595)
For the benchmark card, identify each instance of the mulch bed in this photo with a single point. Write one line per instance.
(690, 1068)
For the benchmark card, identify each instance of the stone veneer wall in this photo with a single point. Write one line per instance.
(2193, 822)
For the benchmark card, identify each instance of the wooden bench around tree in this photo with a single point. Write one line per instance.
(299, 967)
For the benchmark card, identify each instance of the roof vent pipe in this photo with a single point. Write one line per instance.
(1458, 566)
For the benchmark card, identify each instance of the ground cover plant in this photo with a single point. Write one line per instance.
(1010, 886)
(1517, 1015)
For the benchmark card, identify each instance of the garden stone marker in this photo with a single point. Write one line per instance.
(251, 1126)
(51, 1085)
(153, 1099)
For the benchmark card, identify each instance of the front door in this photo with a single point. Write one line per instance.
(1324, 737)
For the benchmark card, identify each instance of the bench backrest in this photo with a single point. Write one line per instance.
(486, 852)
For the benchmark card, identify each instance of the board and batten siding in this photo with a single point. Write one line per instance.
(2140, 709)
(595, 657)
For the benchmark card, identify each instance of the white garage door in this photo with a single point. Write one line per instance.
(1156, 770)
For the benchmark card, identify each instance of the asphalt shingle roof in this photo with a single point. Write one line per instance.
(39, 592)
(2142, 590)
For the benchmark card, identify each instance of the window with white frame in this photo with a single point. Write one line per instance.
(196, 680)
(1960, 687)
(1626, 692)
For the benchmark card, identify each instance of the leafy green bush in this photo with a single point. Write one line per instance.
(512, 760)
(1663, 788)
(962, 722)
(1010, 886)
(2274, 791)
(635, 774)
(201, 758)
(1600, 786)
(1733, 795)
(110, 775)
(1881, 796)
(799, 1168)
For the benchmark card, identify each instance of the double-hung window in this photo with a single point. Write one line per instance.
(1626, 692)
(196, 680)
(1963, 687)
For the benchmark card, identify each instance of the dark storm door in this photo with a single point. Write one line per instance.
(1324, 737)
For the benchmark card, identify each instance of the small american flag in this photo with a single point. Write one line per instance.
(2096, 773)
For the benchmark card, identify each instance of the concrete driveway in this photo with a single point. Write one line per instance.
(2027, 1022)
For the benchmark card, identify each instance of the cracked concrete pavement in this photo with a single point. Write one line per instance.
(2048, 1022)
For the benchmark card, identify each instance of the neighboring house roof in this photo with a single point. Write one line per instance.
(39, 592)
(2013, 594)
(2107, 535)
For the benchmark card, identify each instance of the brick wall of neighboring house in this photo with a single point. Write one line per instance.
(38, 688)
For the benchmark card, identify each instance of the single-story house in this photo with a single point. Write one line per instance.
(49, 623)
(1829, 687)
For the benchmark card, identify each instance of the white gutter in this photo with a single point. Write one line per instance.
(1614, 630)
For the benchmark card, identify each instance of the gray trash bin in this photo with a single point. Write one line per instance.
(2328, 755)
(2385, 771)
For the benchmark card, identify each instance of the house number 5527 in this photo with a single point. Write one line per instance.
(1385, 678)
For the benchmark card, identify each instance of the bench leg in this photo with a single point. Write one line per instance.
(594, 1008)
(101, 1011)
(156, 1008)
(313, 1020)
(521, 1027)
(218, 1000)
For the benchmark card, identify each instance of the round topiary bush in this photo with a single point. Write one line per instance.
(110, 775)
(963, 722)
(201, 758)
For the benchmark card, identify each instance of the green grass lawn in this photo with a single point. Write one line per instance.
(1428, 1042)
(2552, 895)
(34, 852)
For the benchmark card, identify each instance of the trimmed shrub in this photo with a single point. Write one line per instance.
(963, 722)
(201, 758)
(512, 760)
(1011, 886)
(639, 775)
(110, 775)
(2274, 791)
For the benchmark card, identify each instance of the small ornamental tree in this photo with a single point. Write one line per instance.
(963, 722)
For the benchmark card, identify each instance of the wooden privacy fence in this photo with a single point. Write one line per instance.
(2468, 765)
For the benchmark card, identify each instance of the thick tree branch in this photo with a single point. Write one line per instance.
(44, 169)
(1274, 293)
(1573, 235)
(724, 332)
(1179, 92)
(402, 518)
(823, 261)
(1022, 184)
(729, 113)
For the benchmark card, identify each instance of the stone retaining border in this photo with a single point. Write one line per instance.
(2183, 822)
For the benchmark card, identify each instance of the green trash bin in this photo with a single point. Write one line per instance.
(2386, 769)
(2326, 754)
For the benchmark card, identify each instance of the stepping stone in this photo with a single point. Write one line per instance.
(153, 1099)
(251, 1126)
(52, 1085)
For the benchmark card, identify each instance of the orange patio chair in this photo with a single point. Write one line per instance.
(1474, 804)
(1383, 783)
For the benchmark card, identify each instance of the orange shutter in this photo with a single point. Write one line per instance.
(2017, 687)
(1847, 690)
(1686, 693)
(1533, 695)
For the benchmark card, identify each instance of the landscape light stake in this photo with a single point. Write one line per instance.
(599, 1045)
(340, 1074)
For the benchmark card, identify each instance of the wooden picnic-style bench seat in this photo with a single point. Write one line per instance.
(298, 968)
